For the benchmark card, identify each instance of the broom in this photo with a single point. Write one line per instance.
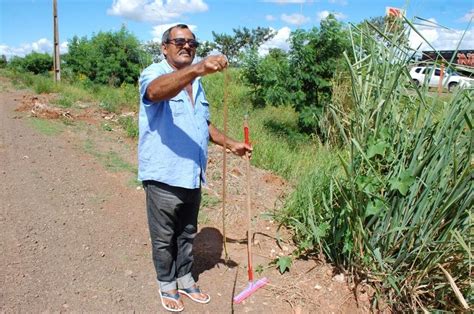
(252, 285)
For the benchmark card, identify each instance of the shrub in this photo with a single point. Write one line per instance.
(37, 63)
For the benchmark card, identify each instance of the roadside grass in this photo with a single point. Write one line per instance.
(110, 160)
(133, 182)
(277, 144)
(208, 200)
(111, 99)
(129, 125)
(47, 127)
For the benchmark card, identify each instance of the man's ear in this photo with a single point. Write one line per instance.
(164, 50)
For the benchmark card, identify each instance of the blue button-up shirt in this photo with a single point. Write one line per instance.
(173, 135)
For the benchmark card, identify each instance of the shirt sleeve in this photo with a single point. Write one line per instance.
(147, 76)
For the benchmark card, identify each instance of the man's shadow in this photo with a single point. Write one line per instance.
(207, 250)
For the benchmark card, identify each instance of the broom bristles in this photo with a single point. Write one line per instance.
(251, 288)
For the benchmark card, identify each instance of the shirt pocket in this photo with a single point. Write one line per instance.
(205, 110)
(177, 106)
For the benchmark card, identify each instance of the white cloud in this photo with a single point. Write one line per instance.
(270, 17)
(321, 15)
(42, 45)
(157, 11)
(64, 47)
(280, 40)
(158, 30)
(340, 2)
(440, 38)
(294, 19)
(467, 17)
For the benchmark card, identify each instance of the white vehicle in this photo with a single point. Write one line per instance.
(431, 76)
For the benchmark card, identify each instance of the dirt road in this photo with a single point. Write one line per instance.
(74, 235)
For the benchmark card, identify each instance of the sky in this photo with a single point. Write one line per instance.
(27, 25)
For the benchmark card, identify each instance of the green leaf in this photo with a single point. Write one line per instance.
(378, 256)
(321, 230)
(403, 182)
(374, 208)
(377, 149)
(284, 263)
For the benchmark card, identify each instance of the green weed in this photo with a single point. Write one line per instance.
(43, 85)
(106, 127)
(113, 162)
(110, 160)
(134, 182)
(208, 200)
(130, 125)
(47, 127)
(203, 218)
(64, 101)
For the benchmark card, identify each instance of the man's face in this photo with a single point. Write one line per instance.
(179, 53)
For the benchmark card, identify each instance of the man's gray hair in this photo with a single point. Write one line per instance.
(166, 35)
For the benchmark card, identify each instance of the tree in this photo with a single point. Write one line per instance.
(314, 58)
(108, 58)
(153, 49)
(205, 48)
(268, 77)
(3, 61)
(250, 39)
(227, 45)
(243, 39)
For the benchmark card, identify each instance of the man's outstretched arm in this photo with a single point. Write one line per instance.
(169, 85)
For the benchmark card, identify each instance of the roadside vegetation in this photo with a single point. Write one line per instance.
(381, 168)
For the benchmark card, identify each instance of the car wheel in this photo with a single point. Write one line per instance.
(452, 86)
(416, 82)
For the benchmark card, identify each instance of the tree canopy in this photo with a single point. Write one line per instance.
(108, 57)
(243, 40)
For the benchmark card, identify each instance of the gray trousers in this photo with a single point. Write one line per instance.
(172, 220)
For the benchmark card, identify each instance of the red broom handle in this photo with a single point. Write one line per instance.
(246, 133)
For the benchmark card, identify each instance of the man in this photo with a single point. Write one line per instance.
(174, 130)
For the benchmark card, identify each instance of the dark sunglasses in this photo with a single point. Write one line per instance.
(181, 42)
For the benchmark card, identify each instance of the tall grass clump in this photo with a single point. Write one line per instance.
(399, 216)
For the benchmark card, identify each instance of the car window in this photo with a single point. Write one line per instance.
(418, 70)
(437, 72)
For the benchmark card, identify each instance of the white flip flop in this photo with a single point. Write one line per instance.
(187, 292)
(172, 297)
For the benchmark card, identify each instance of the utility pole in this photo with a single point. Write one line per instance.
(56, 60)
